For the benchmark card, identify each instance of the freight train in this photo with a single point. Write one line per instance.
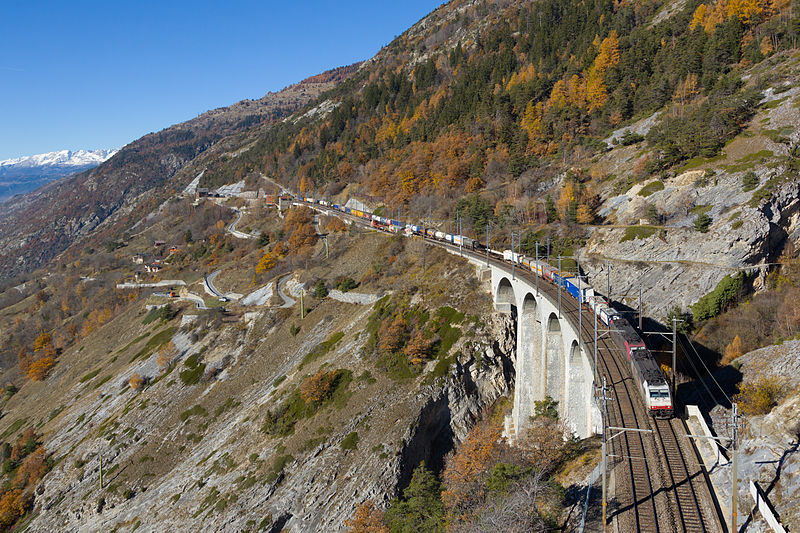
(647, 375)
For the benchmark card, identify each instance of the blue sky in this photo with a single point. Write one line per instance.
(87, 75)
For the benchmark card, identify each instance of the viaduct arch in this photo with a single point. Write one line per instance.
(551, 359)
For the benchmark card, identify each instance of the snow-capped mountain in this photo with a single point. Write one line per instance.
(24, 174)
(65, 158)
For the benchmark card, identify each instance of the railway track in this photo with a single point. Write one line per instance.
(660, 485)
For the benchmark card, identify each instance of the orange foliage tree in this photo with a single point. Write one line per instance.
(367, 519)
(317, 388)
(40, 369)
(466, 469)
(136, 381)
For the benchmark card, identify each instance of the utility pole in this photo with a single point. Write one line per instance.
(640, 306)
(559, 286)
(580, 294)
(674, 352)
(733, 450)
(513, 258)
(302, 307)
(735, 471)
(487, 245)
(595, 347)
(537, 268)
(605, 399)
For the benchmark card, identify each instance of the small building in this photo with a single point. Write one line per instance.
(173, 250)
(153, 268)
(269, 199)
(284, 202)
(158, 244)
(138, 259)
(201, 192)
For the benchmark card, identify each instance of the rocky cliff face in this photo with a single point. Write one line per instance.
(673, 262)
(177, 455)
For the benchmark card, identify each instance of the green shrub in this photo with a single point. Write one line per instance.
(345, 284)
(280, 422)
(89, 376)
(749, 181)
(197, 410)
(650, 188)
(194, 370)
(320, 289)
(637, 232)
(726, 293)
(322, 348)
(156, 341)
(278, 464)
(547, 408)
(628, 138)
(420, 508)
(702, 222)
(165, 313)
(350, 442)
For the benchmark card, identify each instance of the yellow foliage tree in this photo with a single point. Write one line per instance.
(42, 341)
(733, 351)
(40, 368)
(558, 95)
(267, 262)
(698, 17)
(584, 214)
(532, 119)
(608, 57)
(746, 10)
(565, 199)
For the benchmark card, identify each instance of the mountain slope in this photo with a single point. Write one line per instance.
(37, 227)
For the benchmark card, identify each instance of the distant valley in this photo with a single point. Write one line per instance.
(24, 174)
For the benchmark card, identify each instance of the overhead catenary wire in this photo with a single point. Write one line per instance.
(708, 371)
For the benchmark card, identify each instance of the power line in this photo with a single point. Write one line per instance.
(707, 370)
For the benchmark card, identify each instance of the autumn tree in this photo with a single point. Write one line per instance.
(136, 381)
(733, 350)
(317, 388)
(392, 334)
(336, 225)
(165, 355)
(266, 263)
(40, 369)
(42, 341)
(302, 238)
(418, 348)
(24, 360)
(367, 519)
(607, 58)
(566, 199)
(465, 471)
